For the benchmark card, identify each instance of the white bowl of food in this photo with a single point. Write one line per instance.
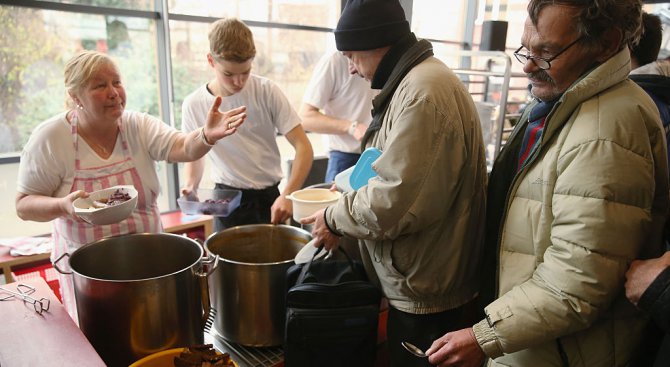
(107, 206)
(308, 201)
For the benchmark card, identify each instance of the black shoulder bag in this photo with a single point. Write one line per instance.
(332, 312)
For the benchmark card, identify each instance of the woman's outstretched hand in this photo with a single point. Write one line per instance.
(221, 124)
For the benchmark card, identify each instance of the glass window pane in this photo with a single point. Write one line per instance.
(317, 13)
(146, 5)
(441, 25)
(288, 57)
(515, 13)
(34, 48)
(443, 51)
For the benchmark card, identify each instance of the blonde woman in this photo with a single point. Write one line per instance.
(96, 144)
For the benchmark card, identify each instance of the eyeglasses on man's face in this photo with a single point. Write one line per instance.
(542, 62)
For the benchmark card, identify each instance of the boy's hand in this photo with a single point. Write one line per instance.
(281, 210)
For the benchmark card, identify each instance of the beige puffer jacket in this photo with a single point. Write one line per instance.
(593, 198)
(421, 218)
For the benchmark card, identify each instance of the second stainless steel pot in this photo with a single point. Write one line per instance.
(248, 286)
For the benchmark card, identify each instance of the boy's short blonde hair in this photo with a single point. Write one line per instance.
(231, 40)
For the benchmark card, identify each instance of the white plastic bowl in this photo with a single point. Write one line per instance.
(84, 208)
(308, 201)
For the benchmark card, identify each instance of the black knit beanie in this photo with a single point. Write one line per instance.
(370, 24)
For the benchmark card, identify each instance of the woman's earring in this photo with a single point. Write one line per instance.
(80, 107)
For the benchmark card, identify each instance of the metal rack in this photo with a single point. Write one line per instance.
(487, 76)
(246, 356)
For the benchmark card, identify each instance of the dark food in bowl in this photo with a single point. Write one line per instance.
(212, 201)
(202, 355)
(216, 207)
(217, 202)
(116, 198)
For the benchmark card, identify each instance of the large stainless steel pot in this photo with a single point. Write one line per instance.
(248, 287)
(140, 294)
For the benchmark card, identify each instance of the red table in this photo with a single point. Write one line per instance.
(48, 339)
(7, 262)
(178, 222)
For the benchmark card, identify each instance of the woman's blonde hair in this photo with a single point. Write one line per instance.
(79, 69)
(231, 40)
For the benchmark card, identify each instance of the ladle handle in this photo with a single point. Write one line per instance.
(204, 296)
(212, 261)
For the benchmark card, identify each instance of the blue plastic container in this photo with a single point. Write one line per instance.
(363, 171)
(353, 178)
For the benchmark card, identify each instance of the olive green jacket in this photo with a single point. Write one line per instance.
(591, 199)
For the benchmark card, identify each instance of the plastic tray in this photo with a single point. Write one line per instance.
(200, 204)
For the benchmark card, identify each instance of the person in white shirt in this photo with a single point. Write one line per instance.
(338, 102)
(249, 161)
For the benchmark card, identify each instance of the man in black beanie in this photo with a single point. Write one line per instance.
(418, 222)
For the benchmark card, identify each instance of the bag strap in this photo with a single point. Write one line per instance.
(305, 268)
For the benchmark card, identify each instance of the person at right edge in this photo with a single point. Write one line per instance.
(649, 73)
(648, 287)
(648, 281)
(579, 191)
(419, 221)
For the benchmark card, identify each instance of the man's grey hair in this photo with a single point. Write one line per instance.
(596, 16)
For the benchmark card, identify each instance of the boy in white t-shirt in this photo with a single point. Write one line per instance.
(338, 102)
(250, 162)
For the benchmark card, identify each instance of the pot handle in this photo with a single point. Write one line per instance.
(212, 261)
(55, 264)
(208, 313)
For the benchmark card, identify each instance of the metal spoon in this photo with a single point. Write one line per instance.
(414, 349)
